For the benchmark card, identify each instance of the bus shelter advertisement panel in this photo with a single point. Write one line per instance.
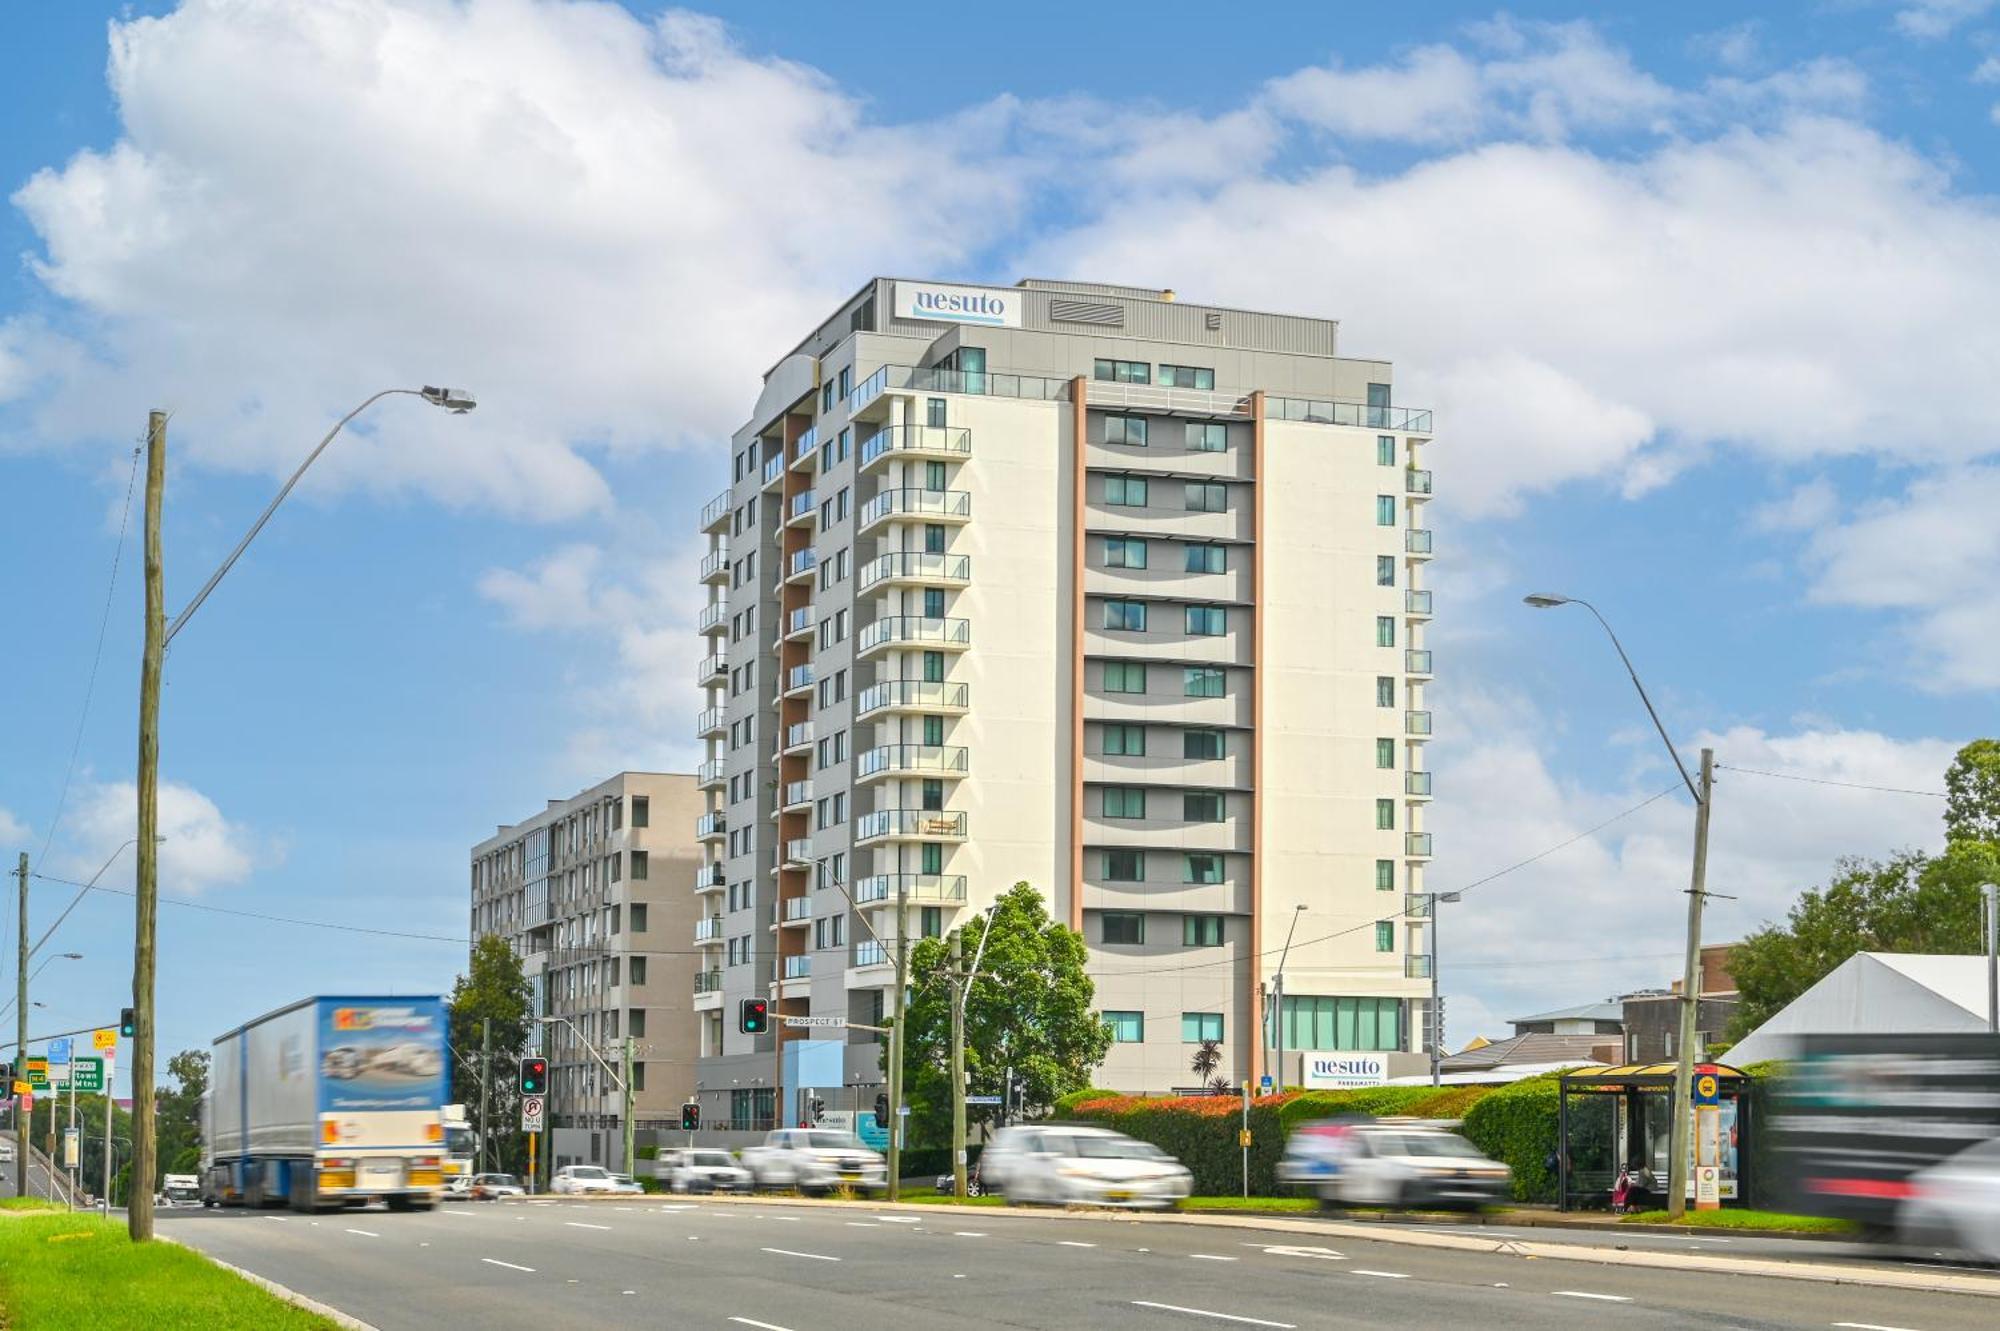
(381, 1054)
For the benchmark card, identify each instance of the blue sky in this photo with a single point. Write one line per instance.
(1704, 304)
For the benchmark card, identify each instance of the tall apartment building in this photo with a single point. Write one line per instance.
(1085, 586)
(591, 893)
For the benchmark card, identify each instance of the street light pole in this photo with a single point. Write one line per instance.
(623, 1084)
(1680, 1138)
(146, 888)
(896, 1038)
(1991, 892)
(21, 1036)
(1278, 1004)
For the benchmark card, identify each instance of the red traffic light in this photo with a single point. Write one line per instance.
(534, 1076)
(690, 1117)
(753, 1016)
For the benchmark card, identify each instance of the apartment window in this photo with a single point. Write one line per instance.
(1124, 553)
(1207, 436)
(840, 445)
(827, 931)
(638, 865)
(842, 503)
(1203, 869)
(1125, 741)
(934, 411)
(1125, 616)
(1385, 815)
(1124, 371)
(640, 811)
(1385, 753)
(1385, 450)
(1385, 935)
(825, 513)
(1126, 1027)
(1202, 806)
(1385, 570)
(933, 603)
(933, 794)
(1124, 802)
(1385, 630)
(1206, 621)
(930, 921)
(1385, 510)
(1201, 931)
(934, 477)
(934, 539)
(846, 382)
(636, 967)
(636, 1023)
(1124, 927)
(1125, 430)
(1125, 491)
(1385, 875)
(1207, 559)
(826, 396)
(934, 667)
(1201, 745)
(1385, 690)
(1199, 1026)
(933, 730)
(617, 817)
(930, 857)
(826, 456)
(1124, 677)
(1124, 866)
(1343, 1023)
(1207, 497)
(1186, 376)
(638, 917)
(1202, 681)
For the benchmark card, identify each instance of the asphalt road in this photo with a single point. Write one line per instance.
(655, 1263)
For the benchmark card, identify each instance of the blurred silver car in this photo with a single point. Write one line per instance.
(1083, 1166)
(1391, 1164)
(1955, 1204)
(696, 1170)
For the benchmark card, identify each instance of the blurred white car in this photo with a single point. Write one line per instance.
(492, 1187)
(1087, 1166)
(625, 1183)
(1955, 1204)
(582, 1179)
(1391, 1164)
(703, 1171)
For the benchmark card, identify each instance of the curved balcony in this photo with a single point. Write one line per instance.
(917, 889)
(715, 513)
(951, 443)
(708, 723)
(799, 679)
(1417, 542)
(714, 618)
(912, 759)
(715, 565)
(799, 967)
(709, 775)
(798, 623)
(1417, 604)
(868, 952)
(802, 509)
(913, 568)
(914, 631)
(939, 506)
(800, 564)
(912, 695)
(885, 825)
(798, 853)
(774, 468)
(796, 912)
(712, 826)
(798, 794)
(805, 446)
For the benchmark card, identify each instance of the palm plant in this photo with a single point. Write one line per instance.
(1207, 1058)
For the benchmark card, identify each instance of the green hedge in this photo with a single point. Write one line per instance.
(1517, 1124)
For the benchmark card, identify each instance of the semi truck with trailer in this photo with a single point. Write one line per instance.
(326, 1102)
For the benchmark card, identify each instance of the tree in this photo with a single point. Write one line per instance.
(1207, 1058)
(1036, 1018)
(1972, 794)
(493, 989)
(178, 1113)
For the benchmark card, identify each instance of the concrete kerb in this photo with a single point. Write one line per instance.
(1817, 1272)
(273, 1288)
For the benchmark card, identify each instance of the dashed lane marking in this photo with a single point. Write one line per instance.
(767, 1326)
(365, 1233)
(1870, 1326)
(1203, 1312)
(581, 1224)
(1073, 1243)
(1210, 1257)
(1386, 1275)
(1586, 1294)
(810, 1256)
(967, 1234)
(495, 1261)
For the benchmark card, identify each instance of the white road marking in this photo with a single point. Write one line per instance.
(812, 1256)
(495, 1261)
(1586, 1294)
(281, 1219)
(1073, 1243)
(683, 1206)
(767, 1326)
(1203, 1312)
(899, 1219)
(365, 1233)
(967, 1234)
(1870, 1326)
(580, 1224)
(1299, 1250)
(461, 1213)
(628, 1291)
(1210, 1257)
(1386, 1275)
(862, 1224)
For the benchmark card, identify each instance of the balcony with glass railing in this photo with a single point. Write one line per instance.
(915, 568)
(709, 878)
(910, 825)
(799, 967)
(714, 618)
(801, 510)
(868, 952)
(1417, 543)
(774, 468)
(796, 911)
(712, 666)
(800, 564)
(939, 506)
(912, 695)
(798, 679)
(798, 736)
(798, 793)
(1417, 604)
(916, 889)
(916, 631)
(709, 722)
(798, 622)
(710, 773)
(1319, 411)
(711, 826)
(949, 443)
(1417, 967)
(708, 932)
(715, 513)
(715, 565)
(1417, 845)
(799, 853)
(1416, 723)
(708, 982)
(1417, 661)
(943, 760)
(1417, 785)
(805, 446)
(931, 379)
(1417, 483)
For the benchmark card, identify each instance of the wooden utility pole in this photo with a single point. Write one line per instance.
(21, 1037)
(1680, 1138)
(896, 1038)
(139, 1203)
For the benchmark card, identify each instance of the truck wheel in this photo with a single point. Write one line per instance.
(401, 1203)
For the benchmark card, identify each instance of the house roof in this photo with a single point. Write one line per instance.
(1879, 993)
(1609, 1010)
(1531, 1048)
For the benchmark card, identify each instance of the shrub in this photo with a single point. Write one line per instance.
(1518, 1124)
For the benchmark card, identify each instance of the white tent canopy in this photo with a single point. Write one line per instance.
(1877, 993)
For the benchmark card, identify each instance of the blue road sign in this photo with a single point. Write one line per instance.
(59, 1049)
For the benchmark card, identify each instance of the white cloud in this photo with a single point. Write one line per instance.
(603, 227)
(12, 830)
(1927, 20)
(1988, 71)
(202, 849)
(1806, 508)
(1933, 556)
(1737, 46)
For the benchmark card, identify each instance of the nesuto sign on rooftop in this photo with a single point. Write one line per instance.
(945, 303)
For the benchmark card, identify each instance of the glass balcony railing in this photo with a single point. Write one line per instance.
(921, 379)
(796, 909)
(799, 677)
(1418, 905)
(1417, 844)
(713, 616)
(1417, 541)
(1417, 783)
(710, 825)
(917, 889)
(1417, 967)
(708, 982)
(715, 511)
(798, 792)
(798, 968)
(1417, 660)
(926, 759)
(798, 734)
(803, 446)
(916, 566)
(952, 442)
(709, 876)
(801, 505)
(1417, 482)
(911, 824)
(912, 695)
(1416, 723)
(1316, 411)
(917, 630)
(708, 930)
(799, 851)
(709, 773)
(929, 505)
(711, 666)
(1416, 602)
(715, 564)
(870, 953)
(709, 721)
(774, 467)
(800, 561)
(799, 620)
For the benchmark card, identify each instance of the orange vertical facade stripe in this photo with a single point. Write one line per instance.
(1079, 402)
(1255, 982)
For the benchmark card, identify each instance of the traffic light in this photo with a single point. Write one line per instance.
(534, 1076)
(816, 1108)
(882, 1111)
(126, 1024)
(753, 1016)
(6, 1079)
(690, 1117)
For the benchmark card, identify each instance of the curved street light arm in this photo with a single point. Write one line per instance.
(1620, 649)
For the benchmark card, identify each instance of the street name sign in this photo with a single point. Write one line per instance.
(798, 1022)
(982, 1099)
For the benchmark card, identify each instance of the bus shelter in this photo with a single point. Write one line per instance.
(1615, 1120)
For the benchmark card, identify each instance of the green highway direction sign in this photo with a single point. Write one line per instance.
(88, 1072)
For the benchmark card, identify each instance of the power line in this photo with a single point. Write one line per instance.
(1561, 845)
(1824, 781)
(260, 915)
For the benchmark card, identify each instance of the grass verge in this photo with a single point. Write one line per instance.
(932, 1197)
(1253, 1205)
(29, 1204)
(59, 1273)
(1741, 1219)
